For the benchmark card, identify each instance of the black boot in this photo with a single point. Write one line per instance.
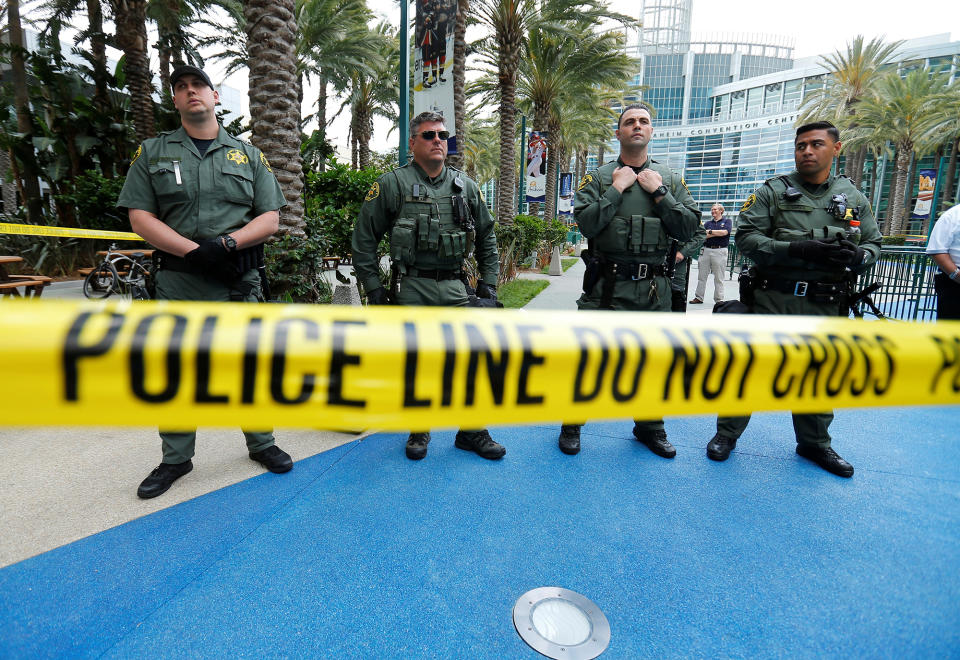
(718, 449)
(826, 458)
(273, 458)
(569, 441)
(417, 445)
(656, 441)
(162, 477)
(479, 442)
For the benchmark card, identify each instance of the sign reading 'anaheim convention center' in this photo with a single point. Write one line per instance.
(730, 127)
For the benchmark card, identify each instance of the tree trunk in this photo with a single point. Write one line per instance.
(873, 178)
(98, 51)
(274, 111)
(908, 192)
(509, 62)
(364, 130)
(895, 221)
(130, 18)
(9, 185)
(21, 101)
(459, 81)
(947, 193)
(553, 164)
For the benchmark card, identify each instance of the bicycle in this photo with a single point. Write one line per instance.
(120, 274)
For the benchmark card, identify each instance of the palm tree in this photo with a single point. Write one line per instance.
(910, 112)
(334, 41)
(18, 70)
(480, 155)
(558, 74)
(853, 75)
(460, 82)
(271, 27)
(510, 21)
(373, 94)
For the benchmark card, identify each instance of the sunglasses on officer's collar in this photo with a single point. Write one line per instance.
(429, 135)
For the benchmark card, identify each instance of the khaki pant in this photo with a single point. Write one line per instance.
(712, 261)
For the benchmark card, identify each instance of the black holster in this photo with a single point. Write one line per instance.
(748, 284)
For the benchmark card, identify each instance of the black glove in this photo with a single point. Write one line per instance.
(378, 297)
(858, 253)
(211, 258)
(485, 290)
(824, 251)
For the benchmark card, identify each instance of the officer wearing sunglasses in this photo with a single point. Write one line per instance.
(435, 217)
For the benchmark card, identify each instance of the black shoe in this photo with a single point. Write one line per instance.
(417, 445)
(656, 442)
(718, 449)
(569, 441)
(479, 442)
(826, 458)
(273, 458)
(162, 478)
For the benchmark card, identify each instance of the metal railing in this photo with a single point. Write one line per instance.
(905, 275)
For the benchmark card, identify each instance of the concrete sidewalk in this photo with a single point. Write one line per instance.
(565, 289)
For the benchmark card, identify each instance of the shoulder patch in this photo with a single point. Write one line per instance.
(747, 204)
(136, 155)
(684, 184)
(266, 163)
(237, 157)
(373, 193)
(585, 181)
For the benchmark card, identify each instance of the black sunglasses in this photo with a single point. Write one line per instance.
(429, 135)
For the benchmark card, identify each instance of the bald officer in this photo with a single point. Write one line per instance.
(207, 202)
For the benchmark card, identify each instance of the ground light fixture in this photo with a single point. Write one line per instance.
(560, 623)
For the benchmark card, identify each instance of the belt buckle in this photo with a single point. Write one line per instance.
(641, 272)
(801, 289)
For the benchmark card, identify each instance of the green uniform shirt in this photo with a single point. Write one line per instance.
(768, 223)
(201, 198)
(612, 220)
(392, 198)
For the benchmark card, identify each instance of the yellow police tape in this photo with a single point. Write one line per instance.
(180, 364)
(39, 230)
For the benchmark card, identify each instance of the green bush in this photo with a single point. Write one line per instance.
(898, 239)
(94, 199)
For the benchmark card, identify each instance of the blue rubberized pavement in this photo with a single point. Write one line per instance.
(359, 552)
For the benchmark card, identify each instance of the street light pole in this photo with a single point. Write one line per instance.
(523, 161)
(404, 82)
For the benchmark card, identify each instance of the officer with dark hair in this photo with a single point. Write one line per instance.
(809, 233)
(633, 211)
(207, 201)
(436, 217)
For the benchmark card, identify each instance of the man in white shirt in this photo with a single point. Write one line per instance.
(944, 248)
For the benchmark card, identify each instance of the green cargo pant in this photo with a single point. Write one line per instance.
(178, 445)
(809, 429)
(649, 295)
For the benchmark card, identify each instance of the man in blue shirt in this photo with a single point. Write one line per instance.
(714, 257)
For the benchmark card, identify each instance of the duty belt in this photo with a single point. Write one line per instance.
(802, 288)
(433, 274)
(635, 271)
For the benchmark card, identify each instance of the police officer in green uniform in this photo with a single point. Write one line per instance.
(207, 202)
(435, 216)
(631, 210)
(800, 231)
(681, 274)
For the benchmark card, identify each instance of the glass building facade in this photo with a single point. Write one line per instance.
(725, 108)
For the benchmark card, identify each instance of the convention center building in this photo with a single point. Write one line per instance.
(726, 108)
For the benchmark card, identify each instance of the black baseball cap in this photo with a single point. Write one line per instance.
(184, 69)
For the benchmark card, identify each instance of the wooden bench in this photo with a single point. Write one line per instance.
(330, 263)
(30, 286)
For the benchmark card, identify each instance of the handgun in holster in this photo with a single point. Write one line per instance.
(748, 285)
(463, 218)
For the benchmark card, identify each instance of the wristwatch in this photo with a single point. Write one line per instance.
(229, 244)
(660, 192)
(955, 275)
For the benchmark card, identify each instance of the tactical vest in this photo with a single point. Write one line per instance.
(807, 216)
(425, 233)
(634, 234)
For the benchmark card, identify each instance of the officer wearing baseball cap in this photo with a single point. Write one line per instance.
(207, 201)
